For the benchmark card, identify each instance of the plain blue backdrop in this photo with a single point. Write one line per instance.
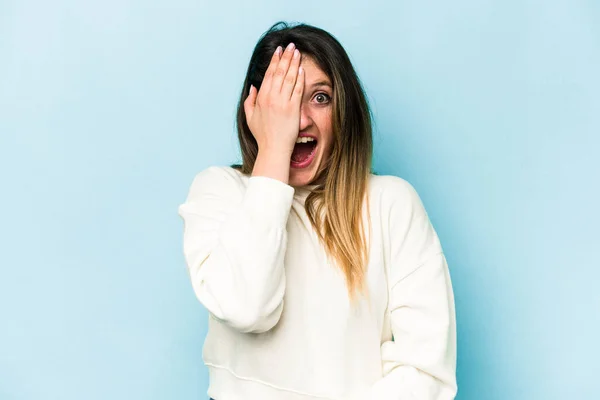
(108, 109)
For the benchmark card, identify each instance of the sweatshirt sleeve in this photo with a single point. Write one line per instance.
(234, 244)
(419, 363)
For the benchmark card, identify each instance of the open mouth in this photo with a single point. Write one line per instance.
(304, 152)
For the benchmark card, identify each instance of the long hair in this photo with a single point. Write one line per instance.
(335, 206)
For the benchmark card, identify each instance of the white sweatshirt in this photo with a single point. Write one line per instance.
(281, 324)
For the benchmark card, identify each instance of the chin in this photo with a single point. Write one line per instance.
(299, 178)
(305, 176)
(304, 169)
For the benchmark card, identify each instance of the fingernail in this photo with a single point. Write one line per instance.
(278, 50)
(290, 46)
(296, 53)
(300, 70)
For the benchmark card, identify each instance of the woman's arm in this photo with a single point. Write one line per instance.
(420, 361)
(234, 245)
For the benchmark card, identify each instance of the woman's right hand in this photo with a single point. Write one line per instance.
(273, 114)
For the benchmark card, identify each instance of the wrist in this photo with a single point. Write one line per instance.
(276, 150)
(273, 163)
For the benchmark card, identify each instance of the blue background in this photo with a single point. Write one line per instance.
(108, 109)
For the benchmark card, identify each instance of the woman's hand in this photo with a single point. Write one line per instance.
(273, 114)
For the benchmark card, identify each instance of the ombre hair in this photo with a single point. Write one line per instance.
(335, 206)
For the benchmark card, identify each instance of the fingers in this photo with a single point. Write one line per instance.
(282, 68)
(250, 102)
(290, 79)
(265, 86)
(298, 88)
(281, 75)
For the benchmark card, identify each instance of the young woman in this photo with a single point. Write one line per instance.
(322, 280)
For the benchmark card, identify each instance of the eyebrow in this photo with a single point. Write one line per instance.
(320, 83)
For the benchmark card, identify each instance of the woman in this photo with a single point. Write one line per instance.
(322, 280)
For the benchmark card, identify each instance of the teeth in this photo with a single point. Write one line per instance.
(304, 140)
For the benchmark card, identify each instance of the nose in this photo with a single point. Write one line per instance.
(305, 118)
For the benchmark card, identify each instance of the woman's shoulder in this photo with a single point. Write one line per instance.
(218, 179)
(219, 173)
(392, 186)
(394, 191)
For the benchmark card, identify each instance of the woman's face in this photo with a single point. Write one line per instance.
(315, 122)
